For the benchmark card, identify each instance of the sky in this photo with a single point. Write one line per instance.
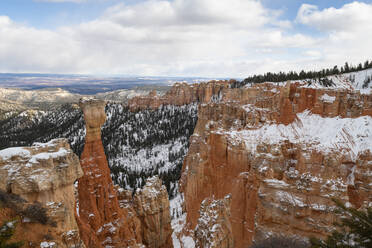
(202, 38)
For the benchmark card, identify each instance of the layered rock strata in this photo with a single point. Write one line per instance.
(180, 94)
(214, 227)
(37, 183)
(108, 217)
(282, 153)
(150, 207)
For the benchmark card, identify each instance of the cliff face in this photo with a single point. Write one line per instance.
(150, 206)
(37, 183)
(144, 220)
(180, 94)
(214, 227)
(282, 153)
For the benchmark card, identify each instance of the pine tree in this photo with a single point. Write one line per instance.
(6, 232)
(366, 64)
(355, 230)
(347, 68)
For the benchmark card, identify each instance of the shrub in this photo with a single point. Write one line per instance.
(355, 229)
(10, 200)
(6, 232)
(36, 213)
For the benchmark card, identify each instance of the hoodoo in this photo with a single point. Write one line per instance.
(142, 220)
(100, 218)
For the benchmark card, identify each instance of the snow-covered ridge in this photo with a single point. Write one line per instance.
(350, 136)
(347, 81)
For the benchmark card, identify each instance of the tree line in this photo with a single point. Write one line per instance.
(292, 75)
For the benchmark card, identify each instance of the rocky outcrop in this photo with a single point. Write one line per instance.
(180, 94)
(112, 217)
(37, 183)
(282, 153)
(150, 207)
(214, 227)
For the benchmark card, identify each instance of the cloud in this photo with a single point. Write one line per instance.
(182, 37)
(61, 1)
(347, 30)
(353, 16)
(239, 13)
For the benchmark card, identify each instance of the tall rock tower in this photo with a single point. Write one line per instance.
(102, 222)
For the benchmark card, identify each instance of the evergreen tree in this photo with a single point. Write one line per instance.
(355, 230)
(366, 64)
(6, 232)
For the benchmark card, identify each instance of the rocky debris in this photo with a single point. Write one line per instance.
(214, 228)
(108, 216)
(282, 153)
(181, 94)
(37, 184)
(152, 207)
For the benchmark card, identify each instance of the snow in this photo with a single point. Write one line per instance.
(349, 136)
(178, 223)
(14, 151)
(290, 198)
(47, 244)
(327, 98)
(48, 155)
(276, 183)
(188, 242)
(348, 81)
(351, 177)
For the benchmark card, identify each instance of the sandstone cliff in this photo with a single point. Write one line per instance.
(214, 227)
(180, 94)
(103, 220)
(37, 183)
(150, 207)
(282, 153)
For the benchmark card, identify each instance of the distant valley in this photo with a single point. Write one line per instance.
(86, 85)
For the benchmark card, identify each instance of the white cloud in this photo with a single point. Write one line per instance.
(353, 16)
(347, 31)
(181, 37)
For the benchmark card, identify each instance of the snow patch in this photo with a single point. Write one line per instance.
(327, 98)
(349, 136)
(14, 151)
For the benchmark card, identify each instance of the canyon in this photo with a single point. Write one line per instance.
(263, 159)
(281, 153)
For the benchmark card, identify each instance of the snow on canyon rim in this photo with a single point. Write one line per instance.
(350, 136)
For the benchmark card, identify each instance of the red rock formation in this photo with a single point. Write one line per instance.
(152, 206)
(44, 173)
(149, 210)
(214, 226)
(263, 146)
(102, 222)
(144, 220)
(180, 94)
